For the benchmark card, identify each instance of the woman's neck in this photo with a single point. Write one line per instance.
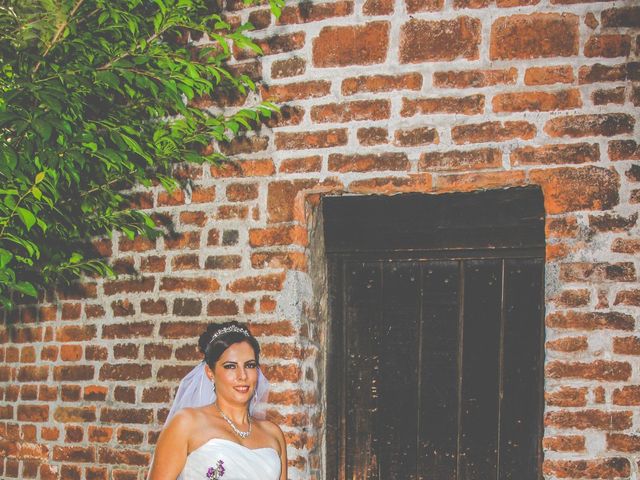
(237, 413)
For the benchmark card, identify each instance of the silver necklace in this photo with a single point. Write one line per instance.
(235, 429)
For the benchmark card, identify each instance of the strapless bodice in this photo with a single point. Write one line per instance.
(240, 462)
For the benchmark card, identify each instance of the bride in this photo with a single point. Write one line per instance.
(213, 431)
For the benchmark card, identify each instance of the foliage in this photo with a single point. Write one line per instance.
(94, 101)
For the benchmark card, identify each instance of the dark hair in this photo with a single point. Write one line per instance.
(213, 350)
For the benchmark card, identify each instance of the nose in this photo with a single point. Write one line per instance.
(241, 373)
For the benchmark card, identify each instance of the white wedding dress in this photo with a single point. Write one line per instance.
(240, 462)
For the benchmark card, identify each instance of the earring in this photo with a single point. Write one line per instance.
(213, 383)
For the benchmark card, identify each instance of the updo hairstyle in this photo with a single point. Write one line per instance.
(213, 350)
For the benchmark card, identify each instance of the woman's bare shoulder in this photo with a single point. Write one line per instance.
(271, 429)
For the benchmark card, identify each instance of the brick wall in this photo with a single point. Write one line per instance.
(382, 96)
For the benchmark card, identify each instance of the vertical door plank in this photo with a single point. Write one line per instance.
(363, 295)
(397, 380)
(438, 410)
(480, 369)
(520, 415)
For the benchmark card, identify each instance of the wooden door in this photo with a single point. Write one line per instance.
(435, 358)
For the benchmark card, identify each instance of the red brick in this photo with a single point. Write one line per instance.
(287, 116)
(624, 150)
(181, 329)
(590, 320)
(289, 67)
(187, 307)
(620, 442)
(567, 397)
(492, 132)
(78, 291)
(286, 235)
(296, 91)
(548, 75)
(314, 12)
(189, 261)
(416, 136)
(281, 198)
(170, 199)
(183, 240)
(390, 185)
(628, 297)
(460, 160)
(598, 370)
(156, 395)
(125, 350)
(471, 105)
(282, 373)
(608, 96)
(70, 311)
(440, 40)
(153, 263)
(468, 182)
(372, 136)
(260, 19)
(97, 393)
(94, 311)
(598, 272)
(626, 245)
(414, 6)
(157, 351)
(223, 262)
(612, 223)
(537, 101)
(75, 333)
(74, 454)
(627, 395)
(368, 162)
(203, 194)
(307, 140)
(626, 345)
(301, 165)
(273, 282)
(474, 78)
(145, 284)
(33, 413)
(195, 284)
(193, 218)
(126, 415)
(231, 212)
(608, 46)
(470, 4)
(351, 45)
(75, 414)
(519, 36)
(222, 307)
(73, 373)
(351, 111)
(286, 42)
(244, 144)
(381, 83)
(621, 17)
(288, 260)
(70, 353)
(242, 192)
(556, 154)
(173, 372)
(606, 468)
(127, 330)
(377, 7)
(568, 344)
(603, 73)
(571, 189)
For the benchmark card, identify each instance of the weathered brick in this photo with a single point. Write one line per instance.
(317, 139)
(183, 240)
(492, 132)
(313, 12)
(565, 443)
(368, 162)
(372, 136)
(467, 182)
(628, 297)
(416, 136)
(415, 6)
(223, 262)
(440, 40)
(567, 397)
(537, 101)
(222, 307)
(295, 91)
(621, 17)
(598, 272)
(290, 67)
(519, 36)
(287, 42)
(590, 320)
(288, 260)
(381, 83)
(301, 165)
(187, 307)
(173, 372)
(608, 46)
(281, 198)
(75, 333)
(75, 414)
(73, 372)
(626, 245)
(604, 370)
(608, 96)
(460, 160)
(556, 154)
(624, 150)
(181, 329)
(606, 73)
(33, 413)
(351, 111)
(125, 371)
(195, 284)
(273, 282)
(286, 235)
(351, 45)
(75, 454)
(568, 344)
(377, 7)
(475, 78)
(608, 222)
(242, 192)
(470, 105)
(126, 415)
(605, 468)
(548, 75)
(127, 330)
(571, 189)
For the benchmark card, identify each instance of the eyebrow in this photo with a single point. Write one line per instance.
(229, 362)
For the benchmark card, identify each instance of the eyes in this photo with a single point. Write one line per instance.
(232, 365)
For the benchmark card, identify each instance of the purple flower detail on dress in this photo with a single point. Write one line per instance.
(215, 473)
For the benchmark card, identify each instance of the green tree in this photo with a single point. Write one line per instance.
(94, 100)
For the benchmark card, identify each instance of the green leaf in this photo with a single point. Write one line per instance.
(36, 192)
(5, 258)
(76, 257)
(28, 218)
(27, 288)
(39, 177)
(43, 128)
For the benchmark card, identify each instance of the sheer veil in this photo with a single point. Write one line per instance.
(196, 390)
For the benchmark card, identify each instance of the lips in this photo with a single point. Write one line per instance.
(242, 389)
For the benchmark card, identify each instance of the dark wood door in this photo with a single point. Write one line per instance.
(435, 364)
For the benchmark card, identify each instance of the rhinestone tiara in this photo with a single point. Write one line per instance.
(229, 329)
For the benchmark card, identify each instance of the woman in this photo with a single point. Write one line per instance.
(211, 431)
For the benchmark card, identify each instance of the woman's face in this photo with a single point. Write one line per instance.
(236, 373)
